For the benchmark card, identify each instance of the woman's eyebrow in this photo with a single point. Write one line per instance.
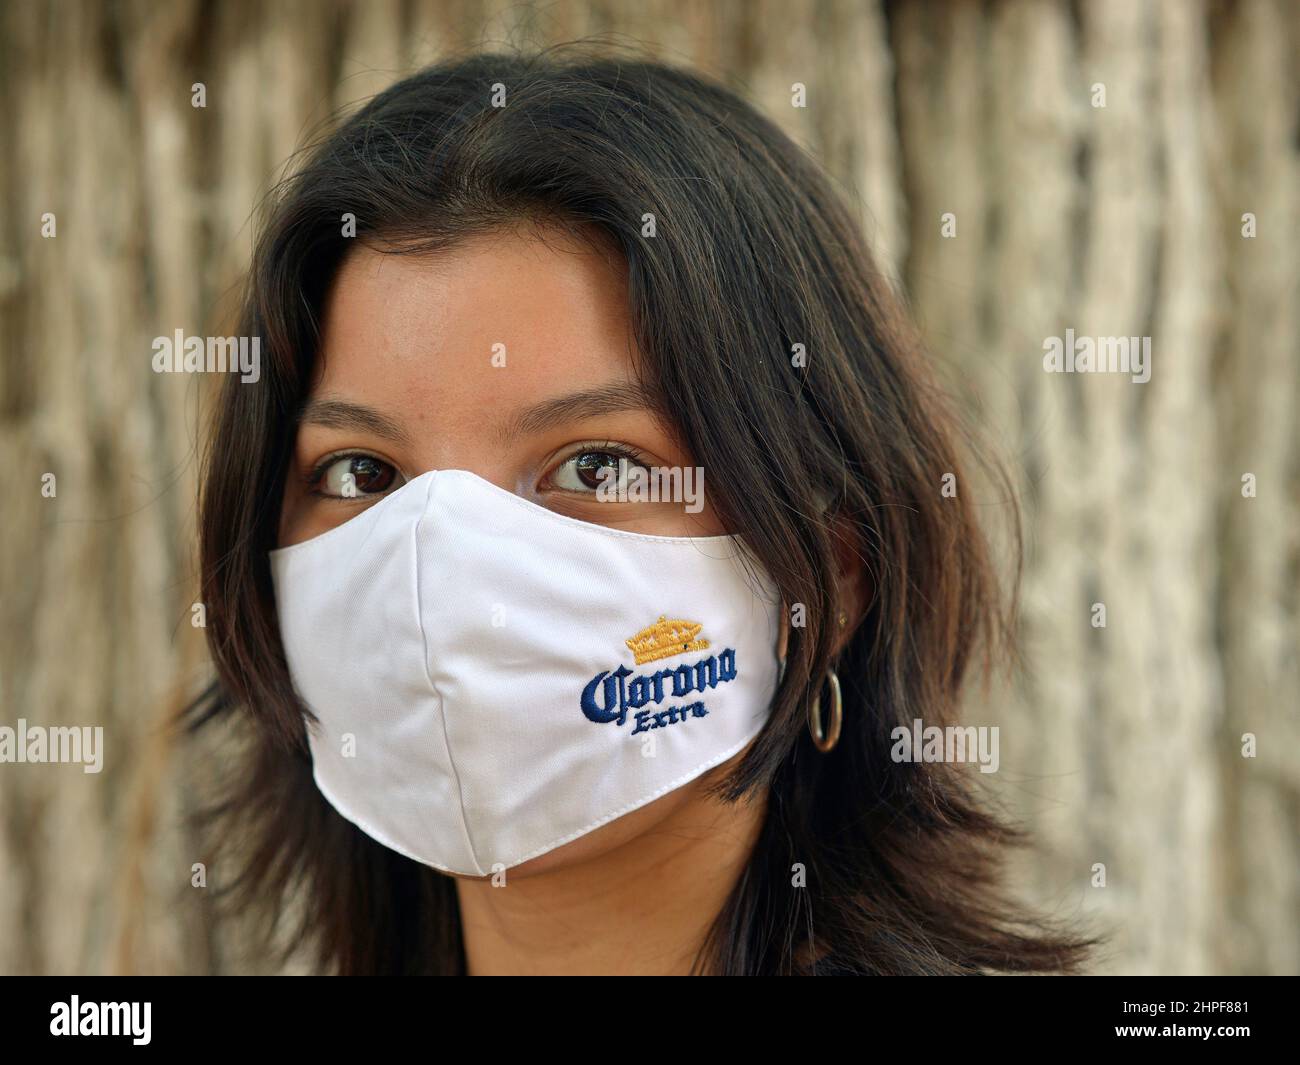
(339, 414)
(610, 399)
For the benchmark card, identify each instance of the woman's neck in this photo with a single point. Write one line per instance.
(641, 908)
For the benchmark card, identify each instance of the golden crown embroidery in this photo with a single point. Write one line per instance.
(666, 638)
(610, 694)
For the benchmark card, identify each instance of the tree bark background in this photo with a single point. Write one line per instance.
(1120, 745)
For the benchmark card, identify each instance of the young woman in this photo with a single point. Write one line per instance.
(580, 546)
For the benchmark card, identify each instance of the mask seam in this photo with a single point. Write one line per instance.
(442, 704)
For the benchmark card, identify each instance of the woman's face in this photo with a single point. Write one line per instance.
(509, 356)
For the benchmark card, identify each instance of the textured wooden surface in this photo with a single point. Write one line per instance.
(1120, 745)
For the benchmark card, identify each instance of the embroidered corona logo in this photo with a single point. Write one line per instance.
(666, 638)
(611, 694)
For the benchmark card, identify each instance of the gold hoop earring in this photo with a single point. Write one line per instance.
(822, 741)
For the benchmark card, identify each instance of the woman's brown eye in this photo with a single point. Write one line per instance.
(356, 475)
(593, 469)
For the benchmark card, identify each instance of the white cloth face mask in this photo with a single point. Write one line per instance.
(493, 680)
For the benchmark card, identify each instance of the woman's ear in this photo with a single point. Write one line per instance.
(850, 588)
(850, 582)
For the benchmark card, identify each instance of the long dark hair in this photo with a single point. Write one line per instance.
(752, 254)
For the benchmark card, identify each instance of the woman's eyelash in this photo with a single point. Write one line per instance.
(606, 446)
(624, 453)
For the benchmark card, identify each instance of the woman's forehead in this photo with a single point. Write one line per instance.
(502, 312)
